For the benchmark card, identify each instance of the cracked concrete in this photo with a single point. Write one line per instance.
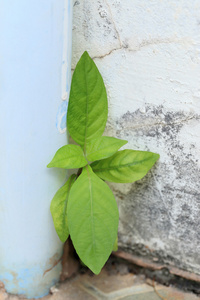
(89, 30)
(143, 44)
(148, 55)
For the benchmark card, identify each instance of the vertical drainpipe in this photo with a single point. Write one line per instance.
(35, 54)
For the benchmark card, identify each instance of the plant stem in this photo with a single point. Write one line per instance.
(79, 172)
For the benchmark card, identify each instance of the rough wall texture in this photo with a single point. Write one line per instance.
(148, 54)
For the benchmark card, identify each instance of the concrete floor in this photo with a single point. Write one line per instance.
(111, 285)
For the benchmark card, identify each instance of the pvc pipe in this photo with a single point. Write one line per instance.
(35, 51)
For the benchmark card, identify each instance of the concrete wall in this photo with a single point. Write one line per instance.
(148, 54)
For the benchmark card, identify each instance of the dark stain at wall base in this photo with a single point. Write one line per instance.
(162, 210)
(160, 273)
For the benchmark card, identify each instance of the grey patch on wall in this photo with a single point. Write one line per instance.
(76, 3)
(87, 21)
(159, 216)
(103, 20)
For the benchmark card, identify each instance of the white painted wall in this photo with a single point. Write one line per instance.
(148, 54)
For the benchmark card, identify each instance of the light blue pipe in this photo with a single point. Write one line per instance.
(35, 54)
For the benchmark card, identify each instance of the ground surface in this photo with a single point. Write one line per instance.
(112, 284)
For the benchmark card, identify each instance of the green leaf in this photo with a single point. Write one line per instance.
(68, 157)
(88, 106)
(125, 166)
(93, 219)
(59, 209)
(115, 247)
(103, 147)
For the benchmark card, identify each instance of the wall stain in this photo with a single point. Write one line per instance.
(162, 210)
(53, 261)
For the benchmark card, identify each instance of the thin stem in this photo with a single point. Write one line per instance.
(79, 172)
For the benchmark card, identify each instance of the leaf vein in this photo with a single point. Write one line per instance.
(120, 166)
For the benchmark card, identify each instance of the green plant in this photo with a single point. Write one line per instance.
(85, 207)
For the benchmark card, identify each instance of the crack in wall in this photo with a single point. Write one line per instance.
(107, 54)
(143, 44)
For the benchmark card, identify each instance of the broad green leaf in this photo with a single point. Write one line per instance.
(59, 209)
(92, 219)
(115, 247)
(68, 157)
(103, 147)
(88, 106)
(125, 166)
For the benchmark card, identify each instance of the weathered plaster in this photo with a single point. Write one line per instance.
(148, 54)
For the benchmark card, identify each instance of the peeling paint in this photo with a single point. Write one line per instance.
(61, 117)
(33, 277)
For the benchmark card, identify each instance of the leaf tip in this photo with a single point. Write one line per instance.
(157, 156)
(85, 54)
(125, 142)
(95, 270)
(63, 239)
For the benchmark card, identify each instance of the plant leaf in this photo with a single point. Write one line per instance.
(68, 157)
(93, 219)
(88, 106)
(59, 209)
(115, 247)
(103, 147)
(125, 166)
